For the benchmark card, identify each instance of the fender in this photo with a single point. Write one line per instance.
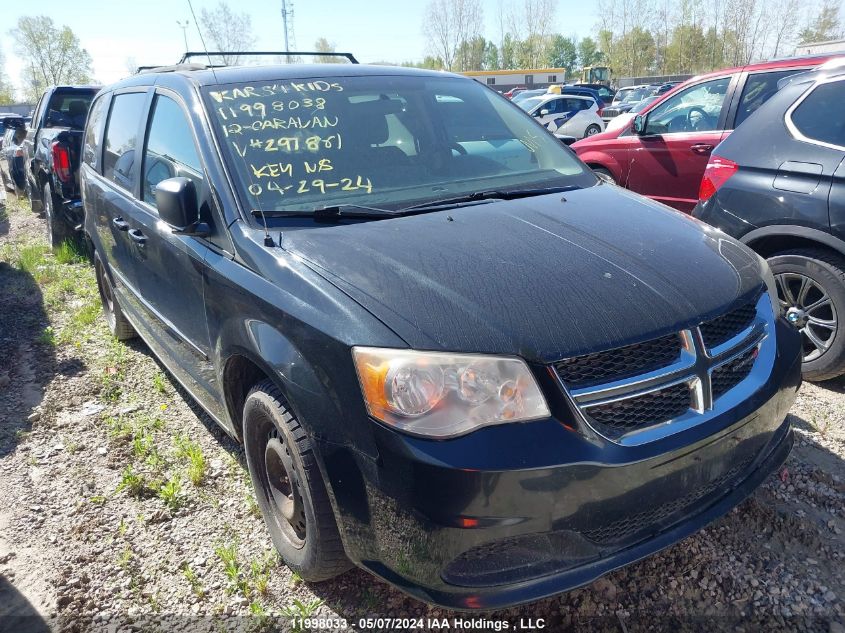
(789, 230)
(601, 159)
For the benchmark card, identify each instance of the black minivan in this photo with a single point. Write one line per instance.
(454, 356)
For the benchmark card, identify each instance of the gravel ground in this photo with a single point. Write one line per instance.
(124, 508)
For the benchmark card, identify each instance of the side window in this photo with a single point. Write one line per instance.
(819, 117)
(36, 116)
(758, 89)
(696, 109)
(170, 150)
(121, 137)
(92, 150)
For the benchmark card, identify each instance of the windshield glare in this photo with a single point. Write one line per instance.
(300, 145)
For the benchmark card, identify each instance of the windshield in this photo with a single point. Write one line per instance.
(388, 142)
(531, 102)
(642, 105)
(636, 95)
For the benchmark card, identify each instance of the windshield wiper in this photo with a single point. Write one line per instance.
(492, 194)
(330, 214)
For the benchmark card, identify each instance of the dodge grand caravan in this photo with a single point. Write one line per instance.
(455, 357)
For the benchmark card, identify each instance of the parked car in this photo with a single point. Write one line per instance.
(624, 120)
(631, 98)
(778, 185)
(11, 158)
(454, 356)
(51, 158)
(578, 92)
(527, 94)
(569, 115)
(605, 93)
(664, 156)
(662, 89)
(510, 94)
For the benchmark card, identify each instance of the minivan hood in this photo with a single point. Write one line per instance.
(544, 278)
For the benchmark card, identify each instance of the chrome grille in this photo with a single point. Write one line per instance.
(727, 376)
(640, 392)
(622, 362)
(619, 417)
(724, 328)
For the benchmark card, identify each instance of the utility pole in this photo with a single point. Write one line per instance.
(184, 27)
(287, 24)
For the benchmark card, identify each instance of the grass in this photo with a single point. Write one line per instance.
(48, 336)
(298, 609)
(191, 452)
(68, 252)
(228, 555)
(31, 258)
(160, 382)
(135, 484)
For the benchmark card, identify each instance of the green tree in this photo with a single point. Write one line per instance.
(7, 93)
(52, 55)
(634, 53)
(563, 53)
(509, 52)
(688, 51)
(589, 53)
(826, 25)
(227, 31)
(322, 45)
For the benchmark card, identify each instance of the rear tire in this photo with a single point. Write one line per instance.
(57, 229)
(811, 286)
(591, 130)
(118, 324)
(289, 487)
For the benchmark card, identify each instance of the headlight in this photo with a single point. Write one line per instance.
(771, 286)
(444, 395)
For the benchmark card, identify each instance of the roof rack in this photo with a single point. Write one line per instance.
(208, 54)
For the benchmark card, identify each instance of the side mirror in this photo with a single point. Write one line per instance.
(543, 112)
(176, 199)
(638, 124)
(605, 177)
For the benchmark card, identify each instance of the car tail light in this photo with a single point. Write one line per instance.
(61, 161)
(716, 174)
(600, 111)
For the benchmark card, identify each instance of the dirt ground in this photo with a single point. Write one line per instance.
(124, 508)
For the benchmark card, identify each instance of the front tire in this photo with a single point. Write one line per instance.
(119, 325)
(811, 289)
(57, 229)
(592, 130)
(289, 487)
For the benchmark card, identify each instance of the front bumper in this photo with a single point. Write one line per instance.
(515, 513)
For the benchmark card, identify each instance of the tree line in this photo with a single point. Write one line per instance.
(634, 37)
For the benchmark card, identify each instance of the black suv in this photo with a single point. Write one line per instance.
(454, 356)
(778, 185)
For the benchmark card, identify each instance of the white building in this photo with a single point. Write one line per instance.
(821, 48)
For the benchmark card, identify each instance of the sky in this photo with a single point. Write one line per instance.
(147, 30)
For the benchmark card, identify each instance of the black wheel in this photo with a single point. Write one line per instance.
(592, 130)
(604, 174)
(289, 487)
(119, 326)
(811, 289)
(57, 229)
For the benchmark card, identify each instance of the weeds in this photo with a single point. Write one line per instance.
(30, 258)
(48, 336)
(193, 580)
(171, 493)
(189, 450)
(160, 382)
(299, 610)
(136, 484)
(228, 555)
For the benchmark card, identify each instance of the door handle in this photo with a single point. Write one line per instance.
(120, 224)
(138, 237)
(702, 148)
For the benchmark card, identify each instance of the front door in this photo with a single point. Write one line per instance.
(172, 278)
(667, 161)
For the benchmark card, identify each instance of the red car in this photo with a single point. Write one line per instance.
(664, 151)
(510, 94)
